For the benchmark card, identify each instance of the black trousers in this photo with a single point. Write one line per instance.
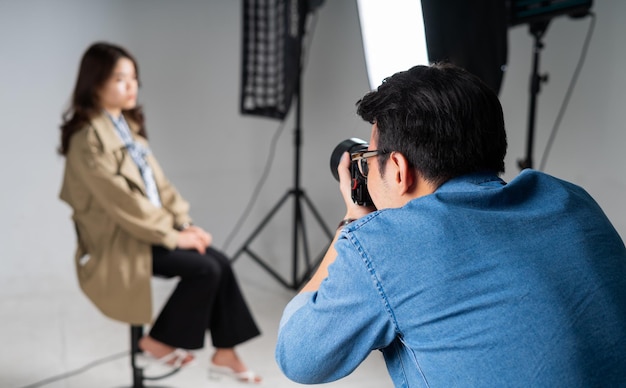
(207, 297)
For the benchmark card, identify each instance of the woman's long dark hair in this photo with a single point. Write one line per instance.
(96, 67)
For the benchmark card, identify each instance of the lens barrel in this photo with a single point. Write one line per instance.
(351, 145)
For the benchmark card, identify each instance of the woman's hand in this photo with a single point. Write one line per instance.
(345, 186)
(194, 237)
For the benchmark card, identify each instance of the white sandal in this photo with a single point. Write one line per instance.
(217, 371)
(174, 360)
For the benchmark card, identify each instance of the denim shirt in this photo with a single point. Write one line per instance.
(481, 283)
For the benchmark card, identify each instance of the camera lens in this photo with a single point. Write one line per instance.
(350, 145)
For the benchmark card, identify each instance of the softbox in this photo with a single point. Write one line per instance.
(271, 56)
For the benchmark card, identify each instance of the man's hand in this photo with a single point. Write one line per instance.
(345, 186)
(194, 238)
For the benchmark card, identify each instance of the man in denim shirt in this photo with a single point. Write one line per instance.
(459, 278)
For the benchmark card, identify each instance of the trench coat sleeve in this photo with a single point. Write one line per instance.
(111, 178)
(171, 200)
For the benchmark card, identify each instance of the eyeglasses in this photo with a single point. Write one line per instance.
(361, 159)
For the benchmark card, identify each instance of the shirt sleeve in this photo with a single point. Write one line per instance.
(324, 335)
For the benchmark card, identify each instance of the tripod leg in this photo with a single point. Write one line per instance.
(318, 217)
(309, 267)
(245, 248)
(260, 227)
(299, 232)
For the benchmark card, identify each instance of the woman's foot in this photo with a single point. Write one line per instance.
(226, 361)
(169, 354)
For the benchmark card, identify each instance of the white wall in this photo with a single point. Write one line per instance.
(189, 56)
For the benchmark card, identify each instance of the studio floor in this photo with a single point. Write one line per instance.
(48, 335)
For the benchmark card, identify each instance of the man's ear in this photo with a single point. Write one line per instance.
(403, 175)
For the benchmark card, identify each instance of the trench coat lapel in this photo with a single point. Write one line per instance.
(112, 143)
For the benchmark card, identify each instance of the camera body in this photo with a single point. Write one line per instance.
(360, 195)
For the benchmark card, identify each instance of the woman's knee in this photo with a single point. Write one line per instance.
(219, 256)
(210, 268)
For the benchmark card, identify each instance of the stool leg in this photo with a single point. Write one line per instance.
(136, 332)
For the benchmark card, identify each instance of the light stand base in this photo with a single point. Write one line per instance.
(299, 234)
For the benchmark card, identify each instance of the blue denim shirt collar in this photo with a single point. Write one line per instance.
(460, 183)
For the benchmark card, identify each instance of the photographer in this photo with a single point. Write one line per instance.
(458, 277)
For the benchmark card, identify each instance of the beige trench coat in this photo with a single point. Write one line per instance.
(116, 224)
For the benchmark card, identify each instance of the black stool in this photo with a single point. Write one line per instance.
(136, 332)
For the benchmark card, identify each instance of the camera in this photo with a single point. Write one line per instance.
(360, 195)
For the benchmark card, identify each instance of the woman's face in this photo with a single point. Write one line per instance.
(119, 92)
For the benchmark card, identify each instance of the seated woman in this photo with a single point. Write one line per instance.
(131, 223)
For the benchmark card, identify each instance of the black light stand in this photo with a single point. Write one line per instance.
(298, 229)
(537, 30)
(538, 14)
